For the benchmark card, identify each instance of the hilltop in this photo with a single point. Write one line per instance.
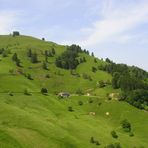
(32, 74)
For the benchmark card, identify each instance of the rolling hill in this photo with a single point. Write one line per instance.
(30, 119)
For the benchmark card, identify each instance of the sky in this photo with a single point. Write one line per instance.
(110, 28)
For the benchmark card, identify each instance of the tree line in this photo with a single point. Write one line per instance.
(131, 80)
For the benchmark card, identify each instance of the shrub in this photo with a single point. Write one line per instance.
(79, 92)
(114, 135)
(80, 103)
(4, 54)
(11, 71)
(53, 51)
(116, 145)
(2, 50)
(28, 76)
(44, 90)
(10, 93)
(92, 140)
(99, 103)
(94, 69)
(101, 84)
(97, 143)
(29, 53)
(17, 62)
(44, 65)
(34, 58)
(95, 60)
(47, 76)
(70, 109)
(126, 125)
(14, 57)
(26, 92)
(90, 100)
(85, 76)
(131, 134)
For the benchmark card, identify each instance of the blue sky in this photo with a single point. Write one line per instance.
(110, 28)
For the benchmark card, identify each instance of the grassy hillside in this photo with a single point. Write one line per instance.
(44, 121)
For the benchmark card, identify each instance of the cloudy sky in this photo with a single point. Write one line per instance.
(110, 28)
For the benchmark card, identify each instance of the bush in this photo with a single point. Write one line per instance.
(44, 91)
(34, 58)
(44, 65)
(87, 77)
(11, 71)
(26, 92)
(79, 92)
(90, 100)
(126, 125)
(102, 84)
(70, 109)
(92, 140)
(47, 76)
(114, 135)
(95, 60)
(131, 134)
(116, 145)
(97, 143)
(99, 103)
(94, 69)
(10, 93)
(2, 50)
(4, 54)
(28, 76)
(80, 103)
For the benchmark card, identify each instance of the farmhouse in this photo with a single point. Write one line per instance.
(63, 94)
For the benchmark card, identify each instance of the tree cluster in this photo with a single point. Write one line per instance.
(69, 58)
(132, 82)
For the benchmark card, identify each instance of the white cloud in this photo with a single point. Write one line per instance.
(8, 21)
(116, 21)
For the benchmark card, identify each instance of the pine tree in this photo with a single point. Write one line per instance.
(46, 55)
(84, 60)
(18, 62)
(29, 53)
(44, 65)
(92, 54)
(115, 80)
(53, 51)
(34, 58)
(14, 57)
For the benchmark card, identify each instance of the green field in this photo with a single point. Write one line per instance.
(43, 121)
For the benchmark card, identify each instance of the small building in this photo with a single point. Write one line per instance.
(16, 33)
(64, 94)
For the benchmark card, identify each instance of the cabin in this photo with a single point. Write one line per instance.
(64, 94)
(16, 33)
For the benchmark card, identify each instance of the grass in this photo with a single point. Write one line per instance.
(43, 121)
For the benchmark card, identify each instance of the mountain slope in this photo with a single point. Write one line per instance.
(45, 121)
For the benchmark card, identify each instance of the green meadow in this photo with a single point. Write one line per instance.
(44, 121)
